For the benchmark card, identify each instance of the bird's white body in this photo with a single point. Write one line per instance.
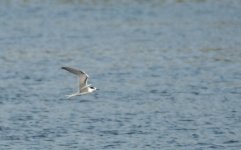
(84, 88)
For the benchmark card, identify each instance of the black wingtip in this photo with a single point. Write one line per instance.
(63, 67)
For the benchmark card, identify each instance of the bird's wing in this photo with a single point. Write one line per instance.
(83, 77)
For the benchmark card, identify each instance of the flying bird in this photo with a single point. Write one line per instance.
(84, 88)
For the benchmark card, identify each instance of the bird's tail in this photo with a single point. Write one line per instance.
(71, 95)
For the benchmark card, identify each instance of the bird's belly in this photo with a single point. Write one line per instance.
(84, 90)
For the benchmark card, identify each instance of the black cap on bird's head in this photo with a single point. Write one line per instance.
(93, 88)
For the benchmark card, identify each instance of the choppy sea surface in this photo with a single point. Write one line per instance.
(169, 74)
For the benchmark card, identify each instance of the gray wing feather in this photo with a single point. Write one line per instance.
(83, 77)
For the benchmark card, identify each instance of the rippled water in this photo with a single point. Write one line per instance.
(169, 74)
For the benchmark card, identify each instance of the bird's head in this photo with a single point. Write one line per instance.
(93, 88)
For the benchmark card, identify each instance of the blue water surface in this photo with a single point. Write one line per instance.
(168, 72)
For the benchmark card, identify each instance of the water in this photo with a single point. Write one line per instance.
(169, 74)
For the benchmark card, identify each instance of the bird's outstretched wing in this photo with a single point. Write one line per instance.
(83, 77)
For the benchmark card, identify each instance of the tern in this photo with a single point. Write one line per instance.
(84, 88)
